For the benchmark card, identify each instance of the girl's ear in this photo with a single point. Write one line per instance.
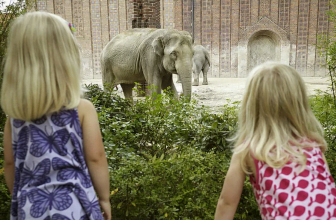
(158, 46)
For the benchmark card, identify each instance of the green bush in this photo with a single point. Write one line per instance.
(168, 158)
(160, 126)
(325, 111)
(177, 186)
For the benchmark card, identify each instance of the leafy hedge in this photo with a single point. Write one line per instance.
(168, 158)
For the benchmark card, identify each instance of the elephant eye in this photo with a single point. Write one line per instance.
(173, 54)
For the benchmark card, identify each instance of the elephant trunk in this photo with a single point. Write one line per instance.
(185, 73)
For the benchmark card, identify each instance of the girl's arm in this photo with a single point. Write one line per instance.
(94, 153)
(231, 192)
(9, 157)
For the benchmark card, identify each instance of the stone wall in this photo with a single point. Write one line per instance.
(238, 33)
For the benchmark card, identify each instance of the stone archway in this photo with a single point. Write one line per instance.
(261, 34)
(263, 46)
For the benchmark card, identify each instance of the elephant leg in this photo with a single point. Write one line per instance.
(205, 73)
(178, 79)
(196, 76)
(127, 89)
(168, 84)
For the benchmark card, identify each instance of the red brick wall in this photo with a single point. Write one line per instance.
(302, 36)
(206, 22)
(219, 25)
(186, 10)
(225, 39)
(234, 21)
(178, 12)
(322, 30)
(197, 22)
(146, 13)
(215, 38)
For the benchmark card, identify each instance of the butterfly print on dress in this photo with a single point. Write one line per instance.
(42, 142)
(16, 208)
(67, 117)
(18, 123)
(20, 147)
(41, 200)
(57, 217)
(35, 175)
(91, 207)
(77, 153)
(38, 176)
(67, 171)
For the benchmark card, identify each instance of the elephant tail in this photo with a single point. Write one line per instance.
(207, 56)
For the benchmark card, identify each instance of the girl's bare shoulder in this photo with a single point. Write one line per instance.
(85, 108)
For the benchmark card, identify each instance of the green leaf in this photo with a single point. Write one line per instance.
(119, 205)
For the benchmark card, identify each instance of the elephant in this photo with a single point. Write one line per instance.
(201, 62)
(148, 55)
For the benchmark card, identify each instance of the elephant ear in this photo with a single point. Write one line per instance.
(157, 44)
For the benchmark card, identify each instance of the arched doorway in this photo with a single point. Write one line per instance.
(263, 46)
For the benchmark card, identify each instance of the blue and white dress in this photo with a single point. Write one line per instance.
(51, 177)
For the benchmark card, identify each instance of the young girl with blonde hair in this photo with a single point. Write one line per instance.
(54, 156)
(280, 145)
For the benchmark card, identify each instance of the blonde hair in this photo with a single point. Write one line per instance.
(275, 115)
(42, 67)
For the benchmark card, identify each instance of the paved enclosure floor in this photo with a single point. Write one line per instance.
(215, 94)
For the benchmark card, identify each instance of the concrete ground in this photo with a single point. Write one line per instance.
(219, 90)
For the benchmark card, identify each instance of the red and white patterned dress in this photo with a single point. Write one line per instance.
(287, 194)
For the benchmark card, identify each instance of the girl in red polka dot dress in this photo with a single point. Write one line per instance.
(280, 145)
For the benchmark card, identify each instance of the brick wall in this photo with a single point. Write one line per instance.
(220, 26)
(225, 27)
(146, 14)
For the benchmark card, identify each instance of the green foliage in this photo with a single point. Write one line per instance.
(324, 104)
(176, 186)
(167, 158)
(161, 126)
(325, 111)
(327, 46)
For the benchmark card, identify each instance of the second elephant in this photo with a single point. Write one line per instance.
(201, 63)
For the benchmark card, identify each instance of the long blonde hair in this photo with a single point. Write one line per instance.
(274, 115)
(42, 67)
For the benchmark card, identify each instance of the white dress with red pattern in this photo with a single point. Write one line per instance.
(286, 193)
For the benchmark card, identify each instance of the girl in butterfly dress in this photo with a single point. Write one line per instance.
(280, 145)
(55, 160)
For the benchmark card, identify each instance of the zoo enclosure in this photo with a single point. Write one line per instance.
(238, 33)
